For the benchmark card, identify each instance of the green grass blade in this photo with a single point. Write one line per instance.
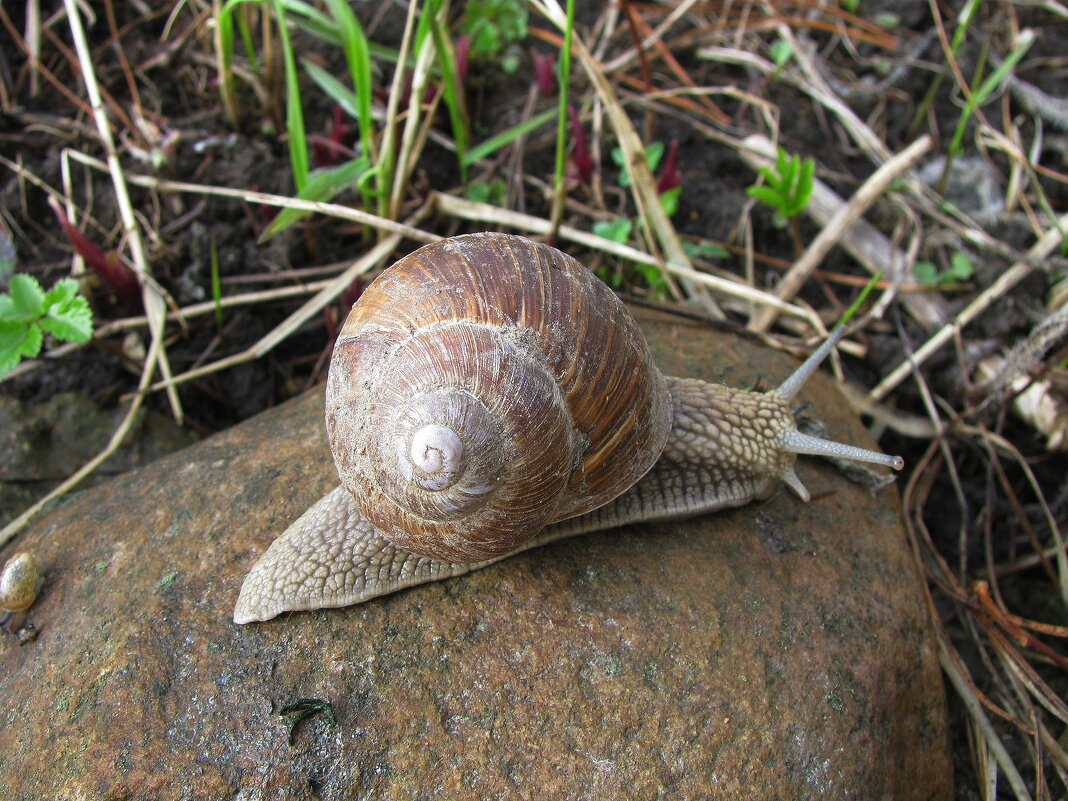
(310, 18)
(358, 56)
(298, 142)
(332, 87)
(321, 185)
(224, 46)
(563, 88)
(856, 304)
(451, 90)
(768, 196)
(987, 87)
(216, 285)
(497, 141)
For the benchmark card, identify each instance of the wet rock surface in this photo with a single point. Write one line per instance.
(780, 650)
(42, 443)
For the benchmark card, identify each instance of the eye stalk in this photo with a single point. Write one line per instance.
(793, 441)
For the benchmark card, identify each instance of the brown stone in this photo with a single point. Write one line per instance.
(780, 650)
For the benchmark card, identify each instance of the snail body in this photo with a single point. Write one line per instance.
(488, 394)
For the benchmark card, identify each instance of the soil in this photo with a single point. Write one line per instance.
(168, 48)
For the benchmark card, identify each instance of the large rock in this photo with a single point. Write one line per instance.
(781, 650)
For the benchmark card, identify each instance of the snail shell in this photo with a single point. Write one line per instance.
(19, 581)
(468, 408)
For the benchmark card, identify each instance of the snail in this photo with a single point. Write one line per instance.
(486, 394)
(19, 581)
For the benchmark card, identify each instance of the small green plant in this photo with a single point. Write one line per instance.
(960, 270)
(703, 249)
(668, 185)
(494, 28)
(787, 186)
(654, 151)
(618, 230)
(27, 313)
(493, 192)
(781, 52)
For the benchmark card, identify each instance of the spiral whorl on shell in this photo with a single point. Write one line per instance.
(485, 386)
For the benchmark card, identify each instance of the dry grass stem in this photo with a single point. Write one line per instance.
(484, 212)
(643, 185)
(373, 258)
(1049, 242)
(263, 198)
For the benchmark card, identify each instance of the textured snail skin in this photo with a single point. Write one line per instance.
(638, 447)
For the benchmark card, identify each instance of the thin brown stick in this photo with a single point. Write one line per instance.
(1045, 246)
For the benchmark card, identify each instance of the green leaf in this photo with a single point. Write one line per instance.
(703, 249)
(333, 88)
(652, 275)
(782, 161)
(494, 25)
(487, 191)
(926, 273)
(19, 342)
(298, 143)
(477, 192)
(321, 186)
(617, 230)
(781, 50)
(669, 200)
(451, 90)
(26, 295)
(789, 172)
(960, 267)
(485, 40)
(74, 326)
(507, 137)
(511, 59)
(61, 294)
(773, 178)
(788, 186)
(654, 151)
(766, 195)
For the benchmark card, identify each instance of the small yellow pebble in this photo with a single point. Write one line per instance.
(18, 582)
